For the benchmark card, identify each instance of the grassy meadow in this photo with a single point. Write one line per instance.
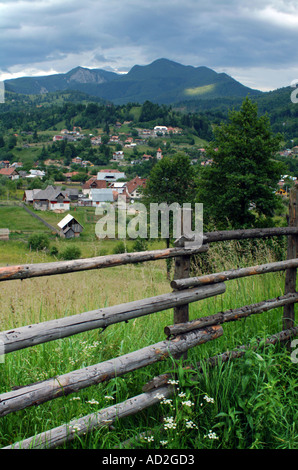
(249, 403)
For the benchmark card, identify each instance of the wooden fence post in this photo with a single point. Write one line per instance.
(292, 251)
(182, 271)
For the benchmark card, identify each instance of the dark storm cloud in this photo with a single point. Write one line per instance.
(52, 35)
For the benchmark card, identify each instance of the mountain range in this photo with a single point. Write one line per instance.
(163, 81)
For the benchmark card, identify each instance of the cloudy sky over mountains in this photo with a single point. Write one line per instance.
(255, 42)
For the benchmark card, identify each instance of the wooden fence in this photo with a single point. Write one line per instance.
(180, 337)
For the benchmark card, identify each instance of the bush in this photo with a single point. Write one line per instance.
(54, 251)
(71, 252)
(119, 248)
(140, 244)
(38, 242)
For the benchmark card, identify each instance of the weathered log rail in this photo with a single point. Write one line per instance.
(181, 336)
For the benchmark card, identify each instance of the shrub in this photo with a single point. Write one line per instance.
(119, 248)
(71, 252)
(54, 251)
(38, 242)
(140, 244)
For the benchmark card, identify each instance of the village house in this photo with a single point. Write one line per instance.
(99, 196)
(119, 188)
(96, 140)
(29, 195)
(160, 130)
(57, 138)
(4, 164)
(70, 174)
(70, 227)
(36, 174)
(110, 175)
(134, 187)
(93, 183)
(10, 173)
(52, 199)
(118, 155)
(114, 139)
(146, 157)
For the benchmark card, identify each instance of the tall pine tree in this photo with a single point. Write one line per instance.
(238, 187)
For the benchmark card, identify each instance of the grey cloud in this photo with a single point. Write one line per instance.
(118, 33)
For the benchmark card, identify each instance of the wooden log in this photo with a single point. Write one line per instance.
(78, 427)
(241, 234)
(31, 335)
(182, 270)
(292, 252)
(61, 267)
(234, 274)
(63, 385)
(163, 379)
(231, 315)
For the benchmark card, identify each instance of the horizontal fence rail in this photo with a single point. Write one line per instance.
(241, 234)
(23, 337)
(26, 271)
(63, 385)
(234, 274)
(231, 315)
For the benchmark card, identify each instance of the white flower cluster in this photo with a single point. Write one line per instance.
(169, 423)
(188, 403)
(191, 425)
(93, 402)
(75, 428)
(211, 435)
(208, 399)
(173, 382)
(149, 439)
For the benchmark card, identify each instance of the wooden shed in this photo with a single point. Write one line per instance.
(70, 227)
(4, 234)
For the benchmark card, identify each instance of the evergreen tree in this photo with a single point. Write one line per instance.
(238, 187)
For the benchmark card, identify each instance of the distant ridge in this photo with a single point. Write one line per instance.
(163, 81)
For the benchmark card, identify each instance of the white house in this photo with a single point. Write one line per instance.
(110, 175)
(160, 130)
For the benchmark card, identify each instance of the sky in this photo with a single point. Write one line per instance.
(255, 42)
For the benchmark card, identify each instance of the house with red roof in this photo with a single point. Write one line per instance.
(134, 187)
(93, 183)
(11, 173)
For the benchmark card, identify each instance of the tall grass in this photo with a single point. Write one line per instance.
(247, 403)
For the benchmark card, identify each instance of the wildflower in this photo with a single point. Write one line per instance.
(173, 382)
(163, 443)
(93, 402)
(75, 428)
(211, 435)
(75, 398)
(169, 423)
(166, 401)
(181, 395)
(149, 439)
(160, 396)
(208, 399)
(108, 397)
(191, 425)
(188, 403)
